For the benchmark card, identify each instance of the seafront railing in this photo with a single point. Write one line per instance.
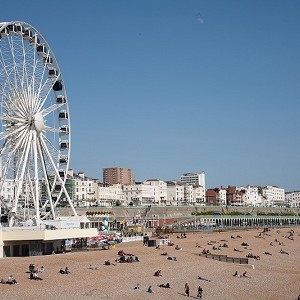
(240, 222)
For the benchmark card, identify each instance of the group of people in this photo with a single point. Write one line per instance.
(129, 259)
(199, 291)
(64, 271)
(182, 236)
(240, 276)
(34, 271)
(204, 251)
(10, 280)
(250, 255)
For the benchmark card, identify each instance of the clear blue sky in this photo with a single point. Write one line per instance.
(167, 87)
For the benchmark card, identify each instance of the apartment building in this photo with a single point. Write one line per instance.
(110, 195)
(250, 195)
(85, 194)
(292, 199)
(117, 176)
(175, 193)
(234, 197)
(193, 179)
(159, 190)
(139, 194)
(274, 196)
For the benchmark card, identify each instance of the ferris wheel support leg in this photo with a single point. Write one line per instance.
(22, 175)
(58, 177)
(36, 179)
(46, 179)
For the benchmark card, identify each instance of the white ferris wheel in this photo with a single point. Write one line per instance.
(35, 135)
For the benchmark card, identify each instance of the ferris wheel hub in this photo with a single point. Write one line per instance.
(39, 122)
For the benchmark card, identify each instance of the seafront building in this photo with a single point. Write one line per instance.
(117, 176)
(139, 194)
(85, 194)
(292, 199)
(193, 179)
(175, 193)
(188, 191)
(274, 196)
(250, 196)
(110, 195)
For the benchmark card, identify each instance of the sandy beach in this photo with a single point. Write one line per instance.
(275, 276)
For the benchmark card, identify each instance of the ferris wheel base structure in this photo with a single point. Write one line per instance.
(45, 239)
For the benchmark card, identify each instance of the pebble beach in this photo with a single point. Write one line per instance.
(273, 276)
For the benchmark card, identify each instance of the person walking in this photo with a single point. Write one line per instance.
(200, 291)
(187, 289)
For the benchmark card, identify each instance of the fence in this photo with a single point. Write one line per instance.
(131, 239)
(225, 258)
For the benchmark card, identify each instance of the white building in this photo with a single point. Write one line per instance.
(139, 194)
(188, 195)
(198, 195)
(250, 195)
(193, 179)
(175, 193)
(274, 196)
(292, 199)
(85, 194)
(109, 195)
(221, 196)
(159, 190)
(7, 191)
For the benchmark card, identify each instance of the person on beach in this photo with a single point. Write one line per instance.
(200, 292)
(187, 289)
(245, 274)
(167, 285)
(150, 290)
(202, 278)
(11, 280)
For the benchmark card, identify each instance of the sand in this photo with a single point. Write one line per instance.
(273, 277)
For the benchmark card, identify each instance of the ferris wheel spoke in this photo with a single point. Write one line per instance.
(22, 138)
(8, 118)
(7, 101)
(44, 86)
(18, 79)
(50, 143)
(21, 178)
(36, 176)
(55, 130)
(7, 134)
(58, 176)
(50, 109)
(43, 93)
(25, 72)
(42, 160)
(10, 105)
(31, 189)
